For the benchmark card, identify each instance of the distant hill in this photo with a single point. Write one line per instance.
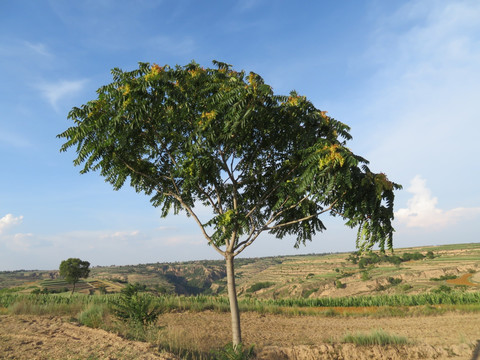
(410, 270)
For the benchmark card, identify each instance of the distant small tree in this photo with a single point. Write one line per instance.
(74, 269)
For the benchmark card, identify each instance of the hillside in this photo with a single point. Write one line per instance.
(410, 270)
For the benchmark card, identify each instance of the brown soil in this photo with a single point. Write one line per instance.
(463, 280)
(53, 338)
(449, 336)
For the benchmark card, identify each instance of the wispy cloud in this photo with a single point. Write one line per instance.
(38, 48)
(422, 210)
(54, 92)
(8, 221)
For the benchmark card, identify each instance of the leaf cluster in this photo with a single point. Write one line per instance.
(135, 307)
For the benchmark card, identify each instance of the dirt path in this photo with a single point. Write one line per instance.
(277, 337)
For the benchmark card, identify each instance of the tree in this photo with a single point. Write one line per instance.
(189, 136)
(74, 269)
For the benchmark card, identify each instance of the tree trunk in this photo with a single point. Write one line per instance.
(73, 290)
(232, 297)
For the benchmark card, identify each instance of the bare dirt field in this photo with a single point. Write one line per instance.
(447, 336)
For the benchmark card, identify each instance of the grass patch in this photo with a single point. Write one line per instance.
(24, 307)
(444, 277)
(260, 285)
(93, 316)
(376, 337)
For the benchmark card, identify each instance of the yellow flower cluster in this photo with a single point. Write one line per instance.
(126, 89)
(332, 158)
(196, 72)
(206, 118)
(209, 115)
(155, 70)
(293, 100)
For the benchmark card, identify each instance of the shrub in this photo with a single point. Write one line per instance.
(444, 277)
(365, 276)
(260, 285)
(394, 281)
(135, 307)
(412, 256)
(442, 289)
(340, 285)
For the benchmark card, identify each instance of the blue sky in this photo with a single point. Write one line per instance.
(404, 75)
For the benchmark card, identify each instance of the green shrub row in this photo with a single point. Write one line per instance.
(219, 303)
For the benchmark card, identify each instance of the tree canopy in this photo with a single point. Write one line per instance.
(73, 269)
(188, 135)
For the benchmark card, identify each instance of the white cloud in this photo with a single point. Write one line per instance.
(422, 210)
(21, 242)
(123, 235)
(8, 221)
(56, 91)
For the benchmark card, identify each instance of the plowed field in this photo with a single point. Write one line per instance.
(449, 336)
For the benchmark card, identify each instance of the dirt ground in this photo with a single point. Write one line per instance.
(447, 336)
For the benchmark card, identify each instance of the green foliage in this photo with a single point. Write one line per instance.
(376, 337)
(259, 285)
(49, 291)
(309, 292)
(216, 136)
(442, 289)
(365, 276)
(412, 256)
(406, 287)
(394, 281)
(339, 284)
(373, 258)
(93, 316)
(73, 269)
(238, 352)
(444, 277)
(134, 307)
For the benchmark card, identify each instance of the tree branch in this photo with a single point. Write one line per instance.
(197, 220)
(300, 220)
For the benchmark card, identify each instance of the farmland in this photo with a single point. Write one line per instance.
(293, 307)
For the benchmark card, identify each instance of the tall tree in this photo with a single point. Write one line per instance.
(189, 136)
(73, 269)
